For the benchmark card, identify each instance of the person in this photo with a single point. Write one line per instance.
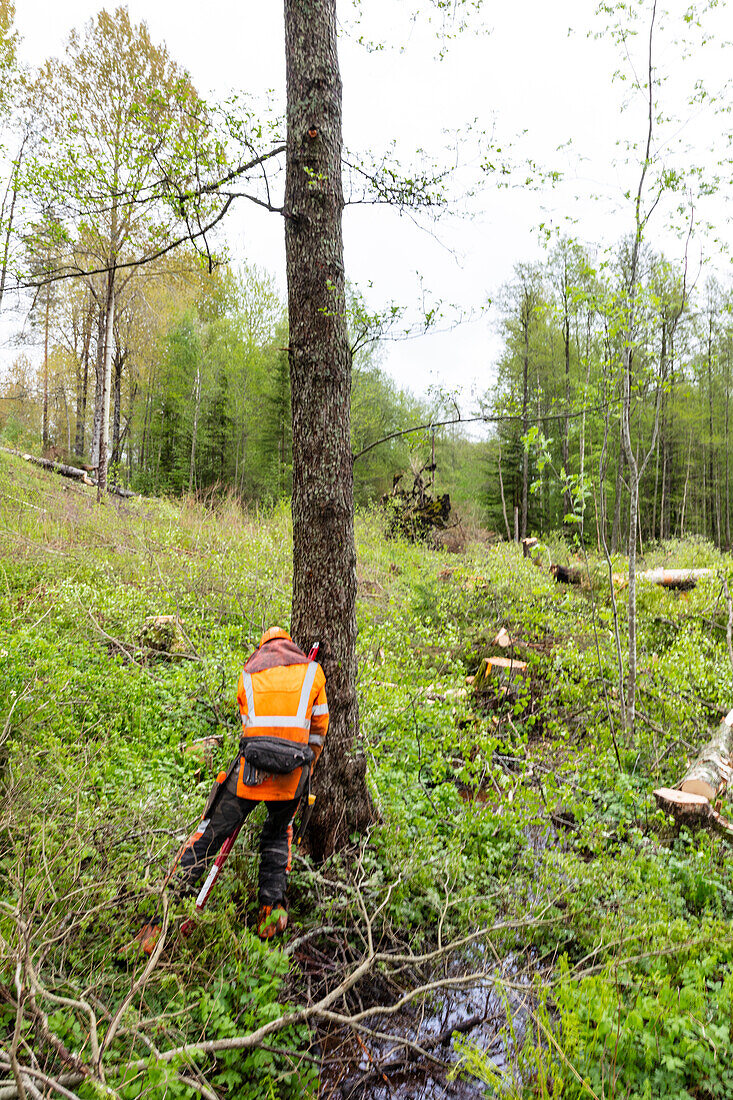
(284, 709)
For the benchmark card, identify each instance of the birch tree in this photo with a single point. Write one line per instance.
(125, 133)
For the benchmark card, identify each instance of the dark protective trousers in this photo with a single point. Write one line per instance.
(229, 812)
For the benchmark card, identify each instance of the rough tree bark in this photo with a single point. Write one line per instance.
(525, 424)
(99, 383)
(83, 381)
(324, 553)
(616, 526)
(44, 430)
(705, 781)
(118, 364)
(106, 388)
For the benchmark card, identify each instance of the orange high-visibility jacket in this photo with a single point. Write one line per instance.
(281, 694)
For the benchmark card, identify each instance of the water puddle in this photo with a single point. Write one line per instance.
(365, 1067)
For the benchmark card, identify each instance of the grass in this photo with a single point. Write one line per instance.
(488, 813)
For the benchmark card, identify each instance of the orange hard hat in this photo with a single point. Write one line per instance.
(274, 632)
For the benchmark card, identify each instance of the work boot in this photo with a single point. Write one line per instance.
(272, 921)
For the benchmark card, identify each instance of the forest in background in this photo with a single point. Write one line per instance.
(197, 351)
(105, 241)
(560, 380)
(201, 398)
(201, 390)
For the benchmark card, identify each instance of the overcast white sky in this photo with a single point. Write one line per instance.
(534, 69)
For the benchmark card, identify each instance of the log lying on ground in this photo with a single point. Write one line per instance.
(67, 471)
(681, 579)
(704, 782)
(710, 774)
(497, 669)
(56, 467)
(567, 574)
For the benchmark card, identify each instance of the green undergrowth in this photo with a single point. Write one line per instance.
(529, 809)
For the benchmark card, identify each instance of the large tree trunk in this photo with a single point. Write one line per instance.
(324, 553)
(616, 528)
(82, 390)
(119, 361)
(99, 385)
(525, 428)
(106, 389)
(706, 780)
(568, 500)
(44, 431)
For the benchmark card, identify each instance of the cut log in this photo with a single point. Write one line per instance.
(711, 772)
(502, 665)
(66, 471)
(501, 644)
(681, 579)
(683, 804)
(56, 467)
(704, 782)
(497, 669)
(528, 545)
(693, 809)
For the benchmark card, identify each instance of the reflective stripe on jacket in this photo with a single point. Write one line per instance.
(282, 694)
